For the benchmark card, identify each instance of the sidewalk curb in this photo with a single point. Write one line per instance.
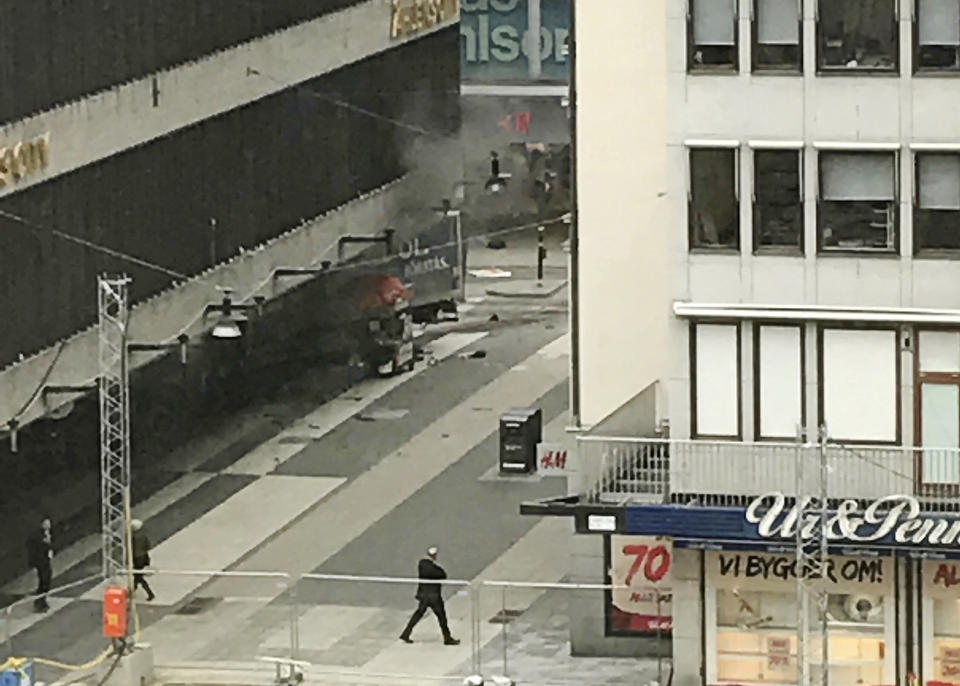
(544, 292)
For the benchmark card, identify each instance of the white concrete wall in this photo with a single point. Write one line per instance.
(621, 137)
(868, 109)
(687, 599)
(897, 109)
(111, 121)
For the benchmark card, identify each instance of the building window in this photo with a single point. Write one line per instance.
(857, 35)
(938, 381)
(777, 199)
(715, 386)
(936, 213)
(778, 380)
(712, 35)
(939, 578)
(755, 618)
(937, 35)
(777, 31)
(714, 212)
(857, 209)
(859, 369)
(640, 567)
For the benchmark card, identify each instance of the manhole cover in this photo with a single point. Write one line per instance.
(505, 616)
(197, 605)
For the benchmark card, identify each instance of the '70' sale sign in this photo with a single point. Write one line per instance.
(643, 565)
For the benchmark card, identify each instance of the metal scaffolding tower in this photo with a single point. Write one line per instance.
(812, 556)
(114, 421)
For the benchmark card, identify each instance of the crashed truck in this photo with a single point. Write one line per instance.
(387, 286)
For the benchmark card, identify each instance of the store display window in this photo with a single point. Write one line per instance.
(755, 619)
(941, 585)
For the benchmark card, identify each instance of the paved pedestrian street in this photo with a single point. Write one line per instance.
(361, 487)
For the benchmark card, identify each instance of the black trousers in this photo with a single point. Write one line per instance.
(435, 604)
(139, 579)
(44, 580)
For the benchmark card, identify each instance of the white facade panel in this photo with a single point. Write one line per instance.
(780, 381)
(859, 372)
(859, 281)
(777, 280)
(939, 351)
(717, 380)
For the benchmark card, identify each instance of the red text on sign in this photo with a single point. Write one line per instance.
(655, 561)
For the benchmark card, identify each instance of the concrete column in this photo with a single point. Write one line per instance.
(687, 602)
(533, 38)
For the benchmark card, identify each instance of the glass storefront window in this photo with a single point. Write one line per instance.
(946, 640)
(756, 637)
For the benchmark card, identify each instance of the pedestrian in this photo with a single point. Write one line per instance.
(430, 598)
(40, 557)
(141, 558)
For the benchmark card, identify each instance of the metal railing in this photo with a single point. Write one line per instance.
(340, 627)
(727, 473)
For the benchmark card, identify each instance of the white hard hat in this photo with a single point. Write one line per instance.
(432, 551)
(136, 524)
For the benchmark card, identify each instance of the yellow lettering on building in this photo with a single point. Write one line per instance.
(23, 159)
(411, 16)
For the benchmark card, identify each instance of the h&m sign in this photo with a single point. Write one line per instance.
(412, 16)
(892, 520)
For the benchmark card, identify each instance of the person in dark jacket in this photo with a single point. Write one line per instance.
(429, 597)
(141, 558)
(40, 557)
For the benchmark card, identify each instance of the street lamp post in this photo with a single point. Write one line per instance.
(541, 255)
(447, 210)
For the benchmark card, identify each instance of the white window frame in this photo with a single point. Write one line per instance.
(756, 146)
(851, 148)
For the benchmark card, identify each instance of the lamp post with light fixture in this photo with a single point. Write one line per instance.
(231, 314)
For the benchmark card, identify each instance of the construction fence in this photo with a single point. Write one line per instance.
(336, 628)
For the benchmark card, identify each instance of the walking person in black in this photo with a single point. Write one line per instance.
(40, 557)
(429, 597)
(141, 558)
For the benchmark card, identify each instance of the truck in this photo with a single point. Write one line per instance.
(383, 295)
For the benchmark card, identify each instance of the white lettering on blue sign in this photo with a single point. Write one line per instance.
(894, 515)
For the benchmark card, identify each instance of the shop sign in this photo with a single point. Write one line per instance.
(24, 159)
(408, 17)
(762, 566)
(496, 40)
(894, 518)
(949, 661)
(941, 579)
(642, 567)
(778, 653)
(551, 459)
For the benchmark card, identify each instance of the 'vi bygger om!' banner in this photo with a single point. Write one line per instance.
(643, 564)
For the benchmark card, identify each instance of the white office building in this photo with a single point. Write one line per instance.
(767, 236)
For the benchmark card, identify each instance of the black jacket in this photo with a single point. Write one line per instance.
(141, 549)
(428, 569)
(38, 549)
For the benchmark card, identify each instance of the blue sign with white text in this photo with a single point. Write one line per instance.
(494, 40)
(896, 521)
